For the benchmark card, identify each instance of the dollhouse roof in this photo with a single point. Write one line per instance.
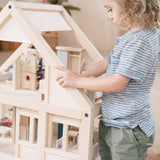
(25, 23)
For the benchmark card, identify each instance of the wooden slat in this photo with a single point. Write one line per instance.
(11, 31)
(42, 134)
(47, 83)
(38, 6)
(14, 125)
(72, 49)
(4, 14)
(28, 113)
(32, 130)
(50, 131)
(66, 120)
(17, 133)
(33, 103)
(65, 138)
(86, 136)
(15, 75)
(47, 21)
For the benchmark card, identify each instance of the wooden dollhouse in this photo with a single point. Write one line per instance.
(39, 103)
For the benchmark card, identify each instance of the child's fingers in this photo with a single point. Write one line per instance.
(60, 67)
(62, 83)
(59, 77)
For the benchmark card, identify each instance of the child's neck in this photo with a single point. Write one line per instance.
(133, 29)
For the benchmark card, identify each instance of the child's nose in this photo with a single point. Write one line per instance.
(110, 17)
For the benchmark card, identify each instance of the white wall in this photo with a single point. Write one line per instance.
(92, 19)
(35, 1)
(4, 2)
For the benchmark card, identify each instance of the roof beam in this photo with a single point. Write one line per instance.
(38, 7)
(5, 13)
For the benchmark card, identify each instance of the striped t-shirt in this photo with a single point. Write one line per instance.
(135, 56)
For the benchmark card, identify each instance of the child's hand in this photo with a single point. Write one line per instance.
(66, 78)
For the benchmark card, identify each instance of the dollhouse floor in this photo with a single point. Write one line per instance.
(6, 145)
(6, 149)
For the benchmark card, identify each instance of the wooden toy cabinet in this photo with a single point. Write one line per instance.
(40, 104)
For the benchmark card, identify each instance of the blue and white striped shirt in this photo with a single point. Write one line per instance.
(135, 56)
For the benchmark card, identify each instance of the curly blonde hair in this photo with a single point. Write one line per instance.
(144, 13)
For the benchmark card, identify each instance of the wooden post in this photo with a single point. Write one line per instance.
(15, 75)
(47, 83)
(65, 138)
(2, 110)
(17, 133)
(32, 130)
(42, 134)
(50, 131)
(86, 136)
(14, 125)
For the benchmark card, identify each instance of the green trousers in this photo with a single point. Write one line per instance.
(123, 144)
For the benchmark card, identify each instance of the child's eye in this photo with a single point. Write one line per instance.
(109, 10)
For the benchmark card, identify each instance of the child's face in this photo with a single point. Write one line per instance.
(114, 9)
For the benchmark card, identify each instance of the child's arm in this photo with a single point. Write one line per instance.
(97, 69)
(114, 83)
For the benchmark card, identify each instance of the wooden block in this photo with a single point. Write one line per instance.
(63, 56)
(29, 80)
(29, 61)
(42, 89)
(71, 58)
(74, 63)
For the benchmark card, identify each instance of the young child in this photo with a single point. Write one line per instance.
(127, 126)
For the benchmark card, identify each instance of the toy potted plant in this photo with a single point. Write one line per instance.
(67, 7)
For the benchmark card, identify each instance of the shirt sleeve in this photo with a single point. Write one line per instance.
(136, 59)
(108, 57)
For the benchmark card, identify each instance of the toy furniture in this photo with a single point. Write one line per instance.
(39, 103)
